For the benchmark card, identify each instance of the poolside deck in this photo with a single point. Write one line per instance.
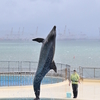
(87, 91)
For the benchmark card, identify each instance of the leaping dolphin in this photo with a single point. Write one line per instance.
(46, 62)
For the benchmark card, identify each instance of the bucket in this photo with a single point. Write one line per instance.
(68, 94)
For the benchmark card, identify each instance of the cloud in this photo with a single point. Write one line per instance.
(79, 15)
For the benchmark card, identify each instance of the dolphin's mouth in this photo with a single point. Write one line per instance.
(52, 34)
(54, 28)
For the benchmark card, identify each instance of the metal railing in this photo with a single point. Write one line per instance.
(16, 73)
(89, 72)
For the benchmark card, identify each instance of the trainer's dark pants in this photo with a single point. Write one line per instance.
(75, 90)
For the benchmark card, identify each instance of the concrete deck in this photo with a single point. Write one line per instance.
(87, 91)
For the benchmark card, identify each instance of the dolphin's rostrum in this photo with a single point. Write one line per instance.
(46, 61)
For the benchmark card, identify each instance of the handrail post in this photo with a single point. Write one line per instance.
(29, 66)
(61, 70)
(82, 74)
(8, 66)
(94, 72)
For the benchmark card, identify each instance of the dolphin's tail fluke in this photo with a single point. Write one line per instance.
(37, 93)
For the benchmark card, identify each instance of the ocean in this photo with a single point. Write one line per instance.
(85, 53)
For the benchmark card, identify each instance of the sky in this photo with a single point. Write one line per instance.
(79, 16)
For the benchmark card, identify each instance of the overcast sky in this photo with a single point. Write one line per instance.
(79, 16)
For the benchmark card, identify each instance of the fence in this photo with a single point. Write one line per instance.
(89, 73)
(18, 73)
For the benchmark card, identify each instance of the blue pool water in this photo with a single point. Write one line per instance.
(19, 80)
(30, 99)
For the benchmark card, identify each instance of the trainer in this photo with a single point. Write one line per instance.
(74, 79)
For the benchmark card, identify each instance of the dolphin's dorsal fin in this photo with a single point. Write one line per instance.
(38, 40)
(53, 66)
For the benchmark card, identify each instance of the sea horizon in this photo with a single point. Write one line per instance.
(85, 53)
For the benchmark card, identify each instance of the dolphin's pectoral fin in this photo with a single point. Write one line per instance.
(38, 39)
(53, 66)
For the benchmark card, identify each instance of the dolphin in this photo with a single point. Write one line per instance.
(46, 62)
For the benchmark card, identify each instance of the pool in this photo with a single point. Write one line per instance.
(18, 80)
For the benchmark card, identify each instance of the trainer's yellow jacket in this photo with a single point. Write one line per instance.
(75, 78)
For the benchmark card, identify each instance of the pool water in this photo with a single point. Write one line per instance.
(19, 80)
(30, 99)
